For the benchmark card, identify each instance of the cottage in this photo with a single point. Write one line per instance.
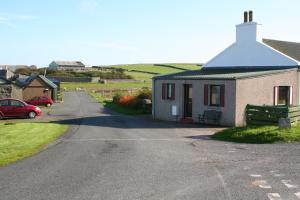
(37, 85)
(253, 70)
(67, 65)
(9, 90)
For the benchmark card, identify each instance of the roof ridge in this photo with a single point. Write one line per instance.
(275, 40)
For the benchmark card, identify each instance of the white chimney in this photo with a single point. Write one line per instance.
(249, 50)
(248, 31)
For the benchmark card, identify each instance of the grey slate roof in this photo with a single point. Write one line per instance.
(220, 74)
(23, 82)
(291, 49)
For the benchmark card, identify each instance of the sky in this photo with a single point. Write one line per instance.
(102, 32)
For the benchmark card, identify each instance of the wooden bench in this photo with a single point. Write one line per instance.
(211, 115)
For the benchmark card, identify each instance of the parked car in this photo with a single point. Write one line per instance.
(17, 108)
(41, 101)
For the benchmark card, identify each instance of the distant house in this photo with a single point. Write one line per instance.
(37, 85)
(13, 68)
(67, 65)
(253, 70)
(9, 90)
(6, 73)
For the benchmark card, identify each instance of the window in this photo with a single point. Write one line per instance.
(16, 103)
(168, 91)
(4, 103)
(283, 95)
(214, 95)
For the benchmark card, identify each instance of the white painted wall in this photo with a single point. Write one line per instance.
(250, 51)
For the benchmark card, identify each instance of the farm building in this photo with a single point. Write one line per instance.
(67, 65)
(37, 85)
(253, 70)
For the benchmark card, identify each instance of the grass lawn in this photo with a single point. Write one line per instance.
(20, 140)
(259, 134)
(95, 86)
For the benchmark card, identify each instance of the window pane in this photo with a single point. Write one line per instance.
(190, 93)
(283, 95)
(215, 95)
(15, 103)
(169, 91)
(4, 103)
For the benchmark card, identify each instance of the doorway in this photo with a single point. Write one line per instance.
(188, 100)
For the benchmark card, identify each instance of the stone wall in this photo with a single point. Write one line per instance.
(10, 91)
(5, 91)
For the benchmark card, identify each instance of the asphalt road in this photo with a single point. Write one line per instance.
(113, 157)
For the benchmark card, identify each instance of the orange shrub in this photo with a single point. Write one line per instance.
(126, 100)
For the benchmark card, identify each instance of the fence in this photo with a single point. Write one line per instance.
(269, 115)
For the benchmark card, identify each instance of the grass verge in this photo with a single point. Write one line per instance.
(121, 109)
(20, 140)
(259, 134)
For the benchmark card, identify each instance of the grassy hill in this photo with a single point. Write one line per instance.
(147, 71)
(141, 72)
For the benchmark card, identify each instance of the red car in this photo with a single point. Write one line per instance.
(41, 101)
(17, 108)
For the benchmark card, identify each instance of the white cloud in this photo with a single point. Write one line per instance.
(88, 5)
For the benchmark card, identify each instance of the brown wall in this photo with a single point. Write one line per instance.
(36, 88)
(260, 90)
(163, 107)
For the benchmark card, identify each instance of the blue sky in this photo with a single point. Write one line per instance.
(100, 32)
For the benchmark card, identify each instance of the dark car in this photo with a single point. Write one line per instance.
(17, 108)
(41, 101)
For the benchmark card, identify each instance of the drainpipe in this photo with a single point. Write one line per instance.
(153, 98)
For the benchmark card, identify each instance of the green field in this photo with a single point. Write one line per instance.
(20, 140)
(140, 76)
(151, 68)
(259, 134)
(99, 86)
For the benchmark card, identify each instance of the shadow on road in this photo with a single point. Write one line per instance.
(126, 122)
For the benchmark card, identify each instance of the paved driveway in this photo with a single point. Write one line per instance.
(112, 157)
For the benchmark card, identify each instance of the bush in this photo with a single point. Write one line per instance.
(126, 100)
(134, 102)
(117, 97)
(145, 94)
